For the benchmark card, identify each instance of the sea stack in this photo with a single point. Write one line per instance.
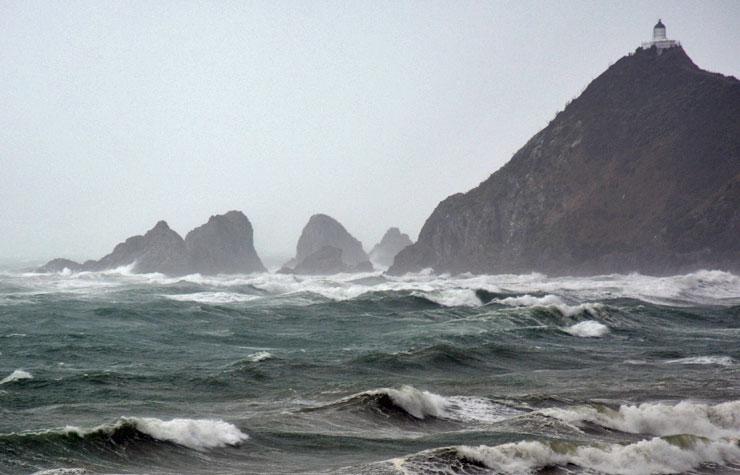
(640, 173)
(224, 245)
(159, 250)
(392, 243)
(322, 232)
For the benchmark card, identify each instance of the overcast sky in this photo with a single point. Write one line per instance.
(114, 115)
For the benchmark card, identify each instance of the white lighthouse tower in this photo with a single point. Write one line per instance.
(660, 40)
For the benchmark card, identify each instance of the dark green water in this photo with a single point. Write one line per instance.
(119, 373)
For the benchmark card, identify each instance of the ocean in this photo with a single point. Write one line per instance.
(114, 372)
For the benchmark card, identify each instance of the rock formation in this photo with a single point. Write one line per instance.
(222, 245)
(639, 173)
(323, 231)
(392, 243)
(58, 265)
(159, 250)
(325, 261)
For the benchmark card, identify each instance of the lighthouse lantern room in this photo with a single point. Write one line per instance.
(660, 41)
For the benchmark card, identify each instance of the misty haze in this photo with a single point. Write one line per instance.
(369, 237)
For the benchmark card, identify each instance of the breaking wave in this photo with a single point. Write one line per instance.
(587, 329)
(197, 434)
(685, 417)
(704, 360)
(259, 356)
(421, 405)
(551, 301)
(657, 455)
(16, 375)
(213, 297)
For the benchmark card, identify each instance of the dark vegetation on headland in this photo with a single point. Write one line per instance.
(641, 172)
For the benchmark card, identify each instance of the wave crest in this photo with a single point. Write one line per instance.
(714, 421)
(551, 301)
(656, 455)
(197, 434)
(421, 405)
(16, 375)
(587, 329)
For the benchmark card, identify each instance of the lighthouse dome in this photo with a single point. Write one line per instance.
(659, 31)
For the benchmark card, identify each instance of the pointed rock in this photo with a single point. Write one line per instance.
(322, 231)
(159, 250)
(392, 243)
(224, 245)
(639, 173)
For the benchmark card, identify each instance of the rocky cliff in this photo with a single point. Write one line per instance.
(392, 243)
(223, 245)
(322, 230)
(640, 173)
(159, 250)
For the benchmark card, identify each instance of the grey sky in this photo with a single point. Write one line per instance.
(114, 115)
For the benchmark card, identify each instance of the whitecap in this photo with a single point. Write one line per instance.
(422, 404)
(552, 301)
(260, 356)
(685, 417)
(197, 434)
(193, 433)
(656, 455)
(63, 471)
(587, 329)
(212, 297)
(16, 375)
(452, 297)
(704, 360)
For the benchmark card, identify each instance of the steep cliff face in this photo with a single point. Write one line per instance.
(639, 173)
(225, 244)
(159, 250)
(322, 230)
(392, 243)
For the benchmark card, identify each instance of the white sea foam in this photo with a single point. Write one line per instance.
(423, 404)
(704, 360)
(260, 356)
(16, 375)
(194, 433)
(552, 301)
(197, 434)
(685, 417)
(453, 297)
(570, 295)
(653, 456)
(63, 471)
(587, 329)
(212, 297)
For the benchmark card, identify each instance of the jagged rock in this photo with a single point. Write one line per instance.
(392, 243)
(325, 261)
(58, 265)
(639, 173)
(321, 231)
(224, 245)
(159, 250)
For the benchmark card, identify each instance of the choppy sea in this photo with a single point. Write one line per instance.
(114, 372)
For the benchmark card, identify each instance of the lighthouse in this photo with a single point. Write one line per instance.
(659, 31)
(660, 40)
